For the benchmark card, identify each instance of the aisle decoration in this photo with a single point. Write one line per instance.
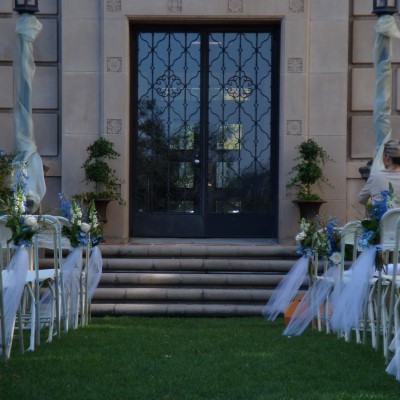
(84, 230)
(22, 227)
(351, 301)
(311, 239)
(95, 266)
(394, 366)
(326, 245)
(12, 282)
(78, 233)
(374, 211)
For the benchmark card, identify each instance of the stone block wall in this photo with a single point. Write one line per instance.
(362, 91)
(81, 86)
(45, 90)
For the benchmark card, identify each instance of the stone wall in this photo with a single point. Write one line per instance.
(81, 89)
(362, 88)
(45, 90)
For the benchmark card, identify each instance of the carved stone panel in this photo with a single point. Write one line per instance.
(295, 65)
(235, 6)
(114, 5)
(114, 126)
(294, 127)
(114, 64)
(174, 6)
(296, 6)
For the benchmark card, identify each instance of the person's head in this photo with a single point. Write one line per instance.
(391, 152)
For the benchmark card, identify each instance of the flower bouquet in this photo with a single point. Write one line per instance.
(23, 227)
(375, 210)
(80, 232)
(319, 236)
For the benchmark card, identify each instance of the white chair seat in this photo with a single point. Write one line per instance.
(45, 241)
(44, 275)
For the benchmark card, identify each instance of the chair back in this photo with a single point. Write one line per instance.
(349, 234)
(389, 227)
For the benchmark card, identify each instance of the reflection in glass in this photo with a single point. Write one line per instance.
(185, 175)
(215, 109)
(168, 121)
(227, 174)
(182, 207)
(229, 137)
(228, 207)
(239, 122)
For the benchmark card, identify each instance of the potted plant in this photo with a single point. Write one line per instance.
(308, 172)
(6, 170)
(98, 172)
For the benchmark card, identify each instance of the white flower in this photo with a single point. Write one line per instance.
(301, 236)
(30, 221)
(391, 203)
(335, 258)
(85, 227)
(304, 225)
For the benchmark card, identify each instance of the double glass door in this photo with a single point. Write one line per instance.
(204, 132)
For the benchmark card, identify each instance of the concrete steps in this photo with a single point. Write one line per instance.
(206, 278)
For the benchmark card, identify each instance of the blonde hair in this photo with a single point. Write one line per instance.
(392, 148)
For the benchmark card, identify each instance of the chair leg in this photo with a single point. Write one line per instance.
(21, 330)
(371, 312)
(385, 321)
(52, 312)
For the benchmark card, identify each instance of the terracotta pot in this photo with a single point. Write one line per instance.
(101, 208)
(309, 208)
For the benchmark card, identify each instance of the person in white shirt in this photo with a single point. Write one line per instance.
(379, 180)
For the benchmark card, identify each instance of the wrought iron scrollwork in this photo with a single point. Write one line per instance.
(240, 87)
(169, 85)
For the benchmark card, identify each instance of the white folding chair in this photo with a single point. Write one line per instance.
(390, 242)
(54, 240)
(12, 281)
(44, 313)
(77, 307)
(349, 235)
(322, 316)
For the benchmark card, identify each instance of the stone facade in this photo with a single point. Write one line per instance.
(362, 87)
(81, 88)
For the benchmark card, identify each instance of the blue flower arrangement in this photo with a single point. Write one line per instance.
(22, 226)
(371, 224)
(319, 235)
(85, 226)
(78, 232)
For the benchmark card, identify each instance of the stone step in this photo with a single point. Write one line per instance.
(181, 309)
(127, 279)
(180, 250)
(196, 264)
(181, 278)
(182, 294)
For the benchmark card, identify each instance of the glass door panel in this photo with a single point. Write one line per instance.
(239, 123)
(203, 164)
(168, 123)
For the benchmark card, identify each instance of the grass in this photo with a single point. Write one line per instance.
(189, 358)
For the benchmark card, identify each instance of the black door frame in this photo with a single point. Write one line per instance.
(204, 225)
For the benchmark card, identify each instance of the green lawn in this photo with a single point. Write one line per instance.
(196, 358)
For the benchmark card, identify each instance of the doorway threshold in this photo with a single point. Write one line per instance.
(206, 241)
